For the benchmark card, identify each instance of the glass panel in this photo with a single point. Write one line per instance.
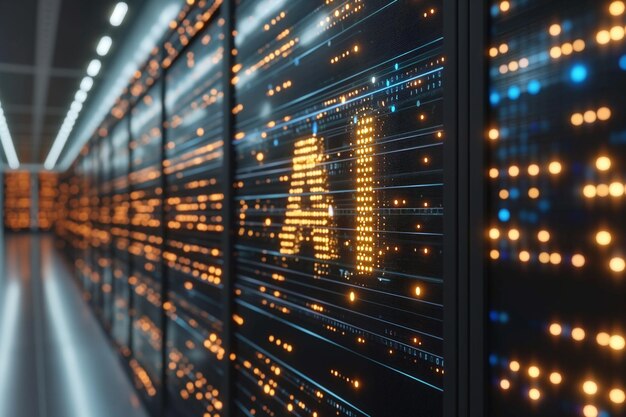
(556, 224)
(48, 195)
(194, 219)
(17, 189)
(120, 234)
(104, 225)
(339, 194)
(146, 240)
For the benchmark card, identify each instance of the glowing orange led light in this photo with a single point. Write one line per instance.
(603, 113)
(617, 342)
(505, 384)
(603, 237)
(590, 116)
(555, 29)
(616, 8)
(603, 37)
(603, 163)
(578, 334)
(616, 189)
(579, 45)
(543, 236)
(494, 134)
(556, 378)
(534, 372)
(577, 119)
(578, 260)
(534, 394)
(556, 52)
(617, 33)
(617, 396)
(603, 339)
(589, 191)
(590, 387)
(590, 411)
(555, 329)
(555, 167)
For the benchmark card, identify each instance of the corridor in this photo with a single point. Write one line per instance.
(55, 360)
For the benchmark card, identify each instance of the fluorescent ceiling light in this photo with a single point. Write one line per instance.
(55, 152)
(104, 45)
(86, 84)
(76, 106)
(94, 68)
(7, 142)
(117, 17)
(80, 96)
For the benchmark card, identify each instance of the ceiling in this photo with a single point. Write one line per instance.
(45, 49)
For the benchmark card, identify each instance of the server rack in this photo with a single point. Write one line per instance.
(265, 146)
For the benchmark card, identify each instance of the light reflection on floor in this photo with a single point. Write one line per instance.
(55, 361)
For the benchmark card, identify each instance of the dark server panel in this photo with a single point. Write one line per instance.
(70, 225)
(338, 234)
(194, 204)
(94, 288)
(146, 240)
(48, 195)
(17, 200)
(60, 224)
(556, 145)
(84, 242)
(120, 233)
(104, 249)
(338, 144)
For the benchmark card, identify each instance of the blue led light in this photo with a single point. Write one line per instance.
(494, 98)
(578, 74)
(493, 360)
(622, 62)
(566, 25)
(494, 315)
(534, 87)
(393, 108)
(315, 127)
(504, 215)
(514, 92)
(514, 193)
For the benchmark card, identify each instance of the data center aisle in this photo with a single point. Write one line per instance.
(54, 358)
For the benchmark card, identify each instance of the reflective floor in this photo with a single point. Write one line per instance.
(55, 360)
